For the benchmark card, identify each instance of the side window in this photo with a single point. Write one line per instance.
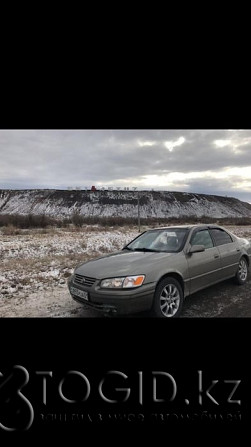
(202, 238)
(221, 237)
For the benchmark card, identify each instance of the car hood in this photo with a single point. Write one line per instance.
(122, 263)
(245, 243)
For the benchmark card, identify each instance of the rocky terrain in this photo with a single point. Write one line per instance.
(161, 204)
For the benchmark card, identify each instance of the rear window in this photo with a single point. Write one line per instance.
(221, 237)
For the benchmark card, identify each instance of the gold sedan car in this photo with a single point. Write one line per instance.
(160, 268)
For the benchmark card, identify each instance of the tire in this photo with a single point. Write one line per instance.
(168, 299)
(242, 272)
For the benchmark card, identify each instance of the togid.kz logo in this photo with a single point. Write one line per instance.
(111, 390)
(16, 411)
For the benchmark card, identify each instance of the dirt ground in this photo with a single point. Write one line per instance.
(34, 269)
(226, 300)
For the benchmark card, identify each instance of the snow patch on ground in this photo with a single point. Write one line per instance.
(62, 243)
(36, 263)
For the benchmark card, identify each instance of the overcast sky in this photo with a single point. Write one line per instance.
(202, 161)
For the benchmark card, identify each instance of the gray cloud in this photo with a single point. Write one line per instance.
(57, 159)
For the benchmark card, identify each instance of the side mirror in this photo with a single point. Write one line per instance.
(196, 249)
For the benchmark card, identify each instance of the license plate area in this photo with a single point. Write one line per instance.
(80, 293)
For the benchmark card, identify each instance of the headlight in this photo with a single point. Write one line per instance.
(121, 283)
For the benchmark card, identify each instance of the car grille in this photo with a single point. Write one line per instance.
(84, 280)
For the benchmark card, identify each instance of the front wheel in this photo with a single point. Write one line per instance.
(242, 272)
(168, 299)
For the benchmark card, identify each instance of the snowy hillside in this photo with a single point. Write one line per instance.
(62, 203)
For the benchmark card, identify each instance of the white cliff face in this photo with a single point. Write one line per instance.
(63, 203)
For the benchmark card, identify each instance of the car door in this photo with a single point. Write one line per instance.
(229, 251)
(204, 267)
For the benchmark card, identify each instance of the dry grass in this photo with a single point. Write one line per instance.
(77, 222)
(10, 230)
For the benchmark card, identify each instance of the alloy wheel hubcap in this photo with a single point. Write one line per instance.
(169, 300)
(243, 271)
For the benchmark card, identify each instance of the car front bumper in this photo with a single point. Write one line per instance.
(120, 302)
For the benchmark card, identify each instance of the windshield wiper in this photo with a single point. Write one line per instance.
(145, 249)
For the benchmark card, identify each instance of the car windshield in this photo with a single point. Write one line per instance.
(167, 240)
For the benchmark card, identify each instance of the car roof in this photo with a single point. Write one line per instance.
(172, 227)
(186, 227)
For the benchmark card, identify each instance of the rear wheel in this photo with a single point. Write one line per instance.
(168, 299)
(242, 272)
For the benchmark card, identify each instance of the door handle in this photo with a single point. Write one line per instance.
(216, 256)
